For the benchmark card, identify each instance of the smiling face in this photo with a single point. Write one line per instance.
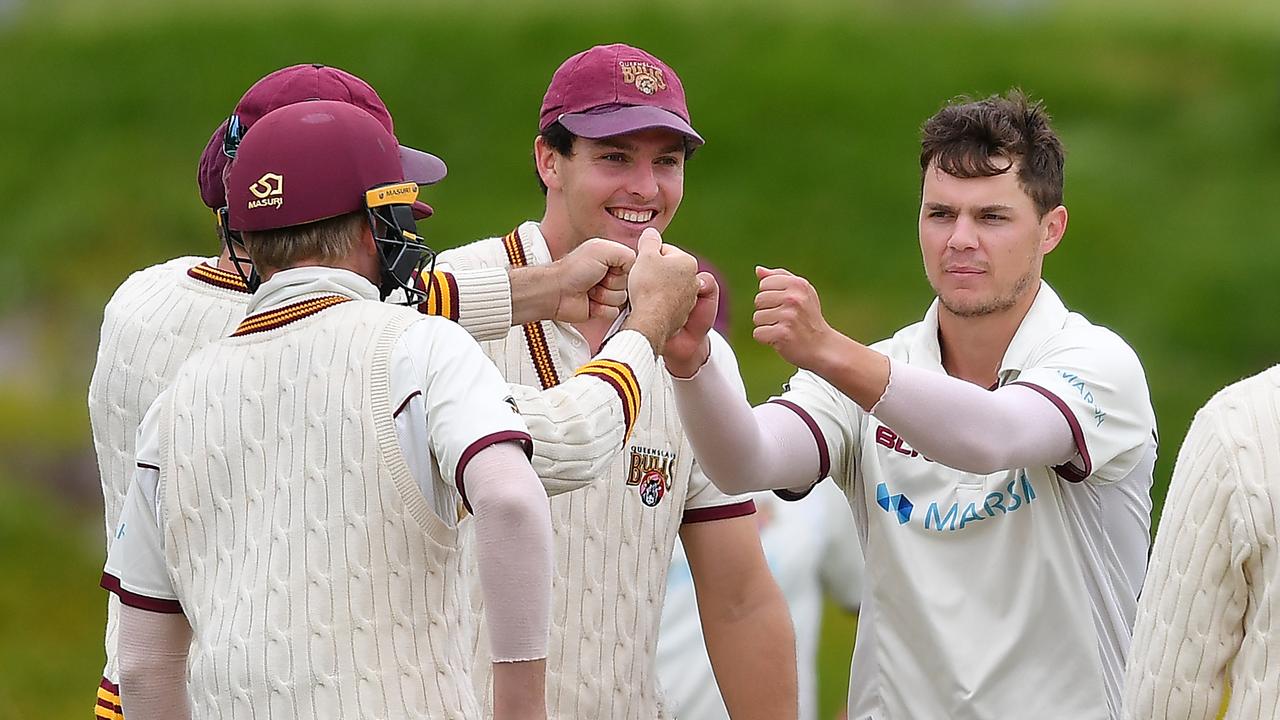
(612, 187)
(984, 242)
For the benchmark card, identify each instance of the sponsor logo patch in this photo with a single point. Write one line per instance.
(650, 472)
(891, 503)
(269, 189)
(647, 77)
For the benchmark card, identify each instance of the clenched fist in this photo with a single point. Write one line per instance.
(788, 317)
(663, 286)
(593, 280)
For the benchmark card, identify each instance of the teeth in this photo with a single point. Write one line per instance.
(633, 216)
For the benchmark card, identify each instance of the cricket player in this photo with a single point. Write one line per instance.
(1209, 616)
(997, 455)
(614, 138)
(161, 315)
(276, 526)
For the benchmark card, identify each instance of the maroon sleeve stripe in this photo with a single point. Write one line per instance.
(453, 296)
(492, 439)
(142, 602)
(1066, 471)
(627, 417)
(794, 495)
(405, 403)
(719, 512)
(824, 456)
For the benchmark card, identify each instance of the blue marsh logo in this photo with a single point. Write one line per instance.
(894, 503)
(1016, 495)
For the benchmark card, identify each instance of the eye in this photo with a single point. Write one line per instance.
(940, 214)
(994, 217)
(614, 157)
(668, 160)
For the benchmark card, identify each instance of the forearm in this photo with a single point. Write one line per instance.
(742, 449)
(970, 428)
(513, 551)
(152, 655)
(516, 685)
(580, 426)
(753, 654)
(535, 294)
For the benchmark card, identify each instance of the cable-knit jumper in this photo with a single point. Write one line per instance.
(1209, 614)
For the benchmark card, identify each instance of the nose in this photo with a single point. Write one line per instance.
(642, 182)
(964, 234)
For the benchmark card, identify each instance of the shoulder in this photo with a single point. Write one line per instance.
(1078, 332)
(489, 252)
(1083, 346)
(1236, 409)
(168, 272)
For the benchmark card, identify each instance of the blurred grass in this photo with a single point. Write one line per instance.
(1170, 112)
(51, 611)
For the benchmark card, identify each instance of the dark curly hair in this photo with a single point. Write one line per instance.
(980, 138)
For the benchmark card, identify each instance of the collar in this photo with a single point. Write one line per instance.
(1046, 316)
(294, 284)
(535, 245)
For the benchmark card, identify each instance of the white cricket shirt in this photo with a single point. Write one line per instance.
(1004, 595)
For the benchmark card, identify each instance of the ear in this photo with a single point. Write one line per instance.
(547, 161)
(1053, 226)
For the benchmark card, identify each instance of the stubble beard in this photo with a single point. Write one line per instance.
(990, 306)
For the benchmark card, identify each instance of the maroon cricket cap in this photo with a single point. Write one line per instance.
(613, 90)
(310, 161)
(298, 83)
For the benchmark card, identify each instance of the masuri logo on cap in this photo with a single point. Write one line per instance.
(269, 189)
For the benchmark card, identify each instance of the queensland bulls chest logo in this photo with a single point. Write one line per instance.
(650, 472)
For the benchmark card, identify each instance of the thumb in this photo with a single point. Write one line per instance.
(650, 242)
(764, 272)
(707, 285)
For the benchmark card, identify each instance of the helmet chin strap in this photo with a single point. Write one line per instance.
(242, 263)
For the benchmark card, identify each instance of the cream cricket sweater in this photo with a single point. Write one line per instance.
(155, 320)
(1209, 614)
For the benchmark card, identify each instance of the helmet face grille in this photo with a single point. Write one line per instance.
(401, 252)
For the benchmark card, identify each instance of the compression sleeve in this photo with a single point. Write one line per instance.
(513, 551)
(740, 448)
(970, 428)
(152, 654)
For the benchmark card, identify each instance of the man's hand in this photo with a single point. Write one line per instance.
(663, 286)
(593, 280)
(689, 348)
(587, 283)
(788, 318)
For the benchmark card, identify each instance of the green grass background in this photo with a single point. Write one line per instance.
(1170, 112)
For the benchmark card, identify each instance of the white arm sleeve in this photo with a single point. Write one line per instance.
(152, 653)
(968, 428)
(580, 426)
(740, 448)
(513, 551)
